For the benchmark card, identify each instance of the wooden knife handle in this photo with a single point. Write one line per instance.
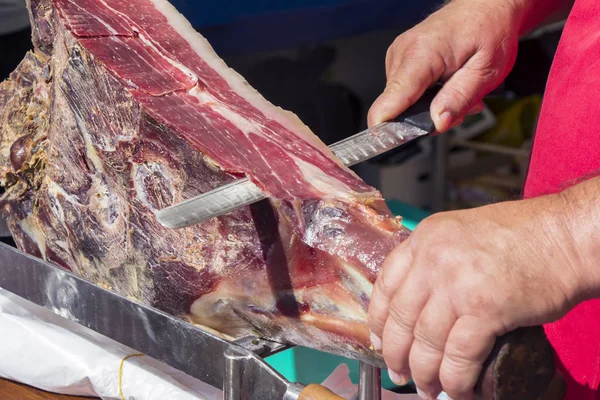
(318, 392)
(557, 389)
(521, 367)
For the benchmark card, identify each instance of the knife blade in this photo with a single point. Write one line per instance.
(414, 123)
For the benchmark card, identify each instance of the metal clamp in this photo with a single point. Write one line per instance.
(246, 373)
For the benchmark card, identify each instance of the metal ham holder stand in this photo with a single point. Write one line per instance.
(237, 367)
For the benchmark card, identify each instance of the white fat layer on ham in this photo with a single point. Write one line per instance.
(174, 63)
(32, 229)
(361, 284)
(327, 303)
(333, 302)
(108, 27)
(323, 182)
(56, 191)
(287, 119)
(246, 126)
(140, 172)
(242, 123)
(91, 152)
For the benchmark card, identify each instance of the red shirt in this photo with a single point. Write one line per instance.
(566, 149)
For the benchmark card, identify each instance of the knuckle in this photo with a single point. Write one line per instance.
(375, 320)
(421, 41)
(501, 52)
(395, 352)
(389, 53)
(401, 41)
(478, 301)
(399, 366)
(435, 220)
(473, 300)
(425, 339)
(426, 377)
(383, 287)
(395, 360)
(437, 257)
(390, 62)
(457, 359)
(376, 315)
(465, 361)
(453, 379)
(400, 320)
(490, 74)
(438, 229)
(462, 97)
(428, 225)
(435, 247)
(398, 83)
(455, 386)
(425, 373)
(412, 61)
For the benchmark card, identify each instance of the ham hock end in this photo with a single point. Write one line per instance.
(123, 109)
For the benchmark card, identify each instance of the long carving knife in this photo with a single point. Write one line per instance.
(416, 122)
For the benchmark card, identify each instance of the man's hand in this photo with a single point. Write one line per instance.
(464, 278)
(471, 45)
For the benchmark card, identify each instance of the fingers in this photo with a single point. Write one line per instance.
(461, 95)
(430, 336)
(404, 87)
(391, 275)
(424, 339)
(469, 344)
(404, 311)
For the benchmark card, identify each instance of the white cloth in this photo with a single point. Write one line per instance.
(13, 16)
(47, 351)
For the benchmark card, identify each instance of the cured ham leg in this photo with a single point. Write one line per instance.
(122, 110)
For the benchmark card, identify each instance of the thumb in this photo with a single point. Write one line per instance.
(403, 89)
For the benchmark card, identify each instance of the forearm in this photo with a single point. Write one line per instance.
(531, 14)
(581, 218)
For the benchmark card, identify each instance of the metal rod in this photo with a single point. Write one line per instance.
(232, 381)
(369, 383)
(493, 148)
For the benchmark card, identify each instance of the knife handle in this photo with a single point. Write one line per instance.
(318, 392)
(520, 367)
(419, 114)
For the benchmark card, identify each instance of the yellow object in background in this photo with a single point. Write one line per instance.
(515, 122)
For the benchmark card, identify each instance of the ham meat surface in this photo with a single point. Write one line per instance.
(124, 109)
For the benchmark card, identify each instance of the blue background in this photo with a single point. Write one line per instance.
(249, 26)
